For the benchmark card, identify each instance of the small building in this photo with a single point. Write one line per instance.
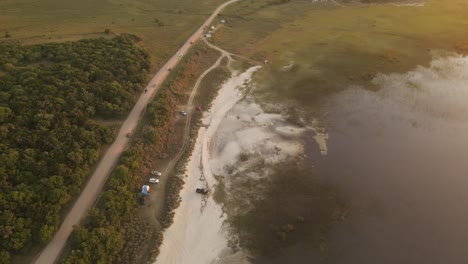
(208, 35)
(212, 27)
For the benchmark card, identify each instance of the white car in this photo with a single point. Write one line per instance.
(153, 180)
(156, 173)
(183, 113)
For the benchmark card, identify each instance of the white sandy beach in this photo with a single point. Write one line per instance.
(197, 234)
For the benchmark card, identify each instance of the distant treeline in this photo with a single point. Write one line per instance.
(49, 96)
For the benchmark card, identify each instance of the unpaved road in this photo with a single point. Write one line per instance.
(197, 235)
(224, 54)
(97, 180)
(186, 136)
(161, 191)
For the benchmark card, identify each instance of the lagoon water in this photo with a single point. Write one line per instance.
(400, 157)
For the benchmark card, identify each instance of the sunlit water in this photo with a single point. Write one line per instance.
(400, 156)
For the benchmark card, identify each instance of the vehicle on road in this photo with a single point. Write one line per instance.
(201, 191)
(156, 173)
(153, 180)
(89, 194)
(145, 190)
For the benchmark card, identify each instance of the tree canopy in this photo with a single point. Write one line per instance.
(50, 95)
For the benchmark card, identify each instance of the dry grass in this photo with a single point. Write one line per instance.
(334, 46)
(162, 24)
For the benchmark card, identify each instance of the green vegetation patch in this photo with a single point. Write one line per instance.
(114, 232)
(164, 25)
(317, 48)
(49, 96)
(219, 194)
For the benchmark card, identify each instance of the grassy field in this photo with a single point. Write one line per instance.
(313, 50)
(333, 46)
(329, 47)
(162, 24)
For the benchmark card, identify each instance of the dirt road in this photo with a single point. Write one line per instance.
(97, 180)
(224, 54)
(197, 235)
(200, 240)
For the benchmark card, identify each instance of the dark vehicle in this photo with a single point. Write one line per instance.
(201, 191)
(169, 69)
(142, 200)
(129, 134)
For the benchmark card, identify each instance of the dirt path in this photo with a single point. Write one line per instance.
(97, 180)
(185, 138)
(224, 54)
(188, 120)
(196, 235)
(189, 117)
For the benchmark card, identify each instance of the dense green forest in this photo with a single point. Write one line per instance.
(114, 232)
(50, 95)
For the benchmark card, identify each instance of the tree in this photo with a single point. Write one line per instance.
(49, 140)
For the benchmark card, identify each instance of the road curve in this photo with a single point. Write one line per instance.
(224, 54)
(97, 180)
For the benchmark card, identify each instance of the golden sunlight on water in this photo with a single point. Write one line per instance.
(400, 156)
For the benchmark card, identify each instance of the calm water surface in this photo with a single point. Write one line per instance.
(400, 156)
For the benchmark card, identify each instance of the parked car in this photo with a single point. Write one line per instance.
(183, 113)
(201, 191)
(153, 180)
(156, 173)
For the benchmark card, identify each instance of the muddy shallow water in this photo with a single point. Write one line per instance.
(400, 156)
(384, 183)
(395, 146)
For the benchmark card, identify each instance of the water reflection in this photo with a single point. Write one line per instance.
(400, 155)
